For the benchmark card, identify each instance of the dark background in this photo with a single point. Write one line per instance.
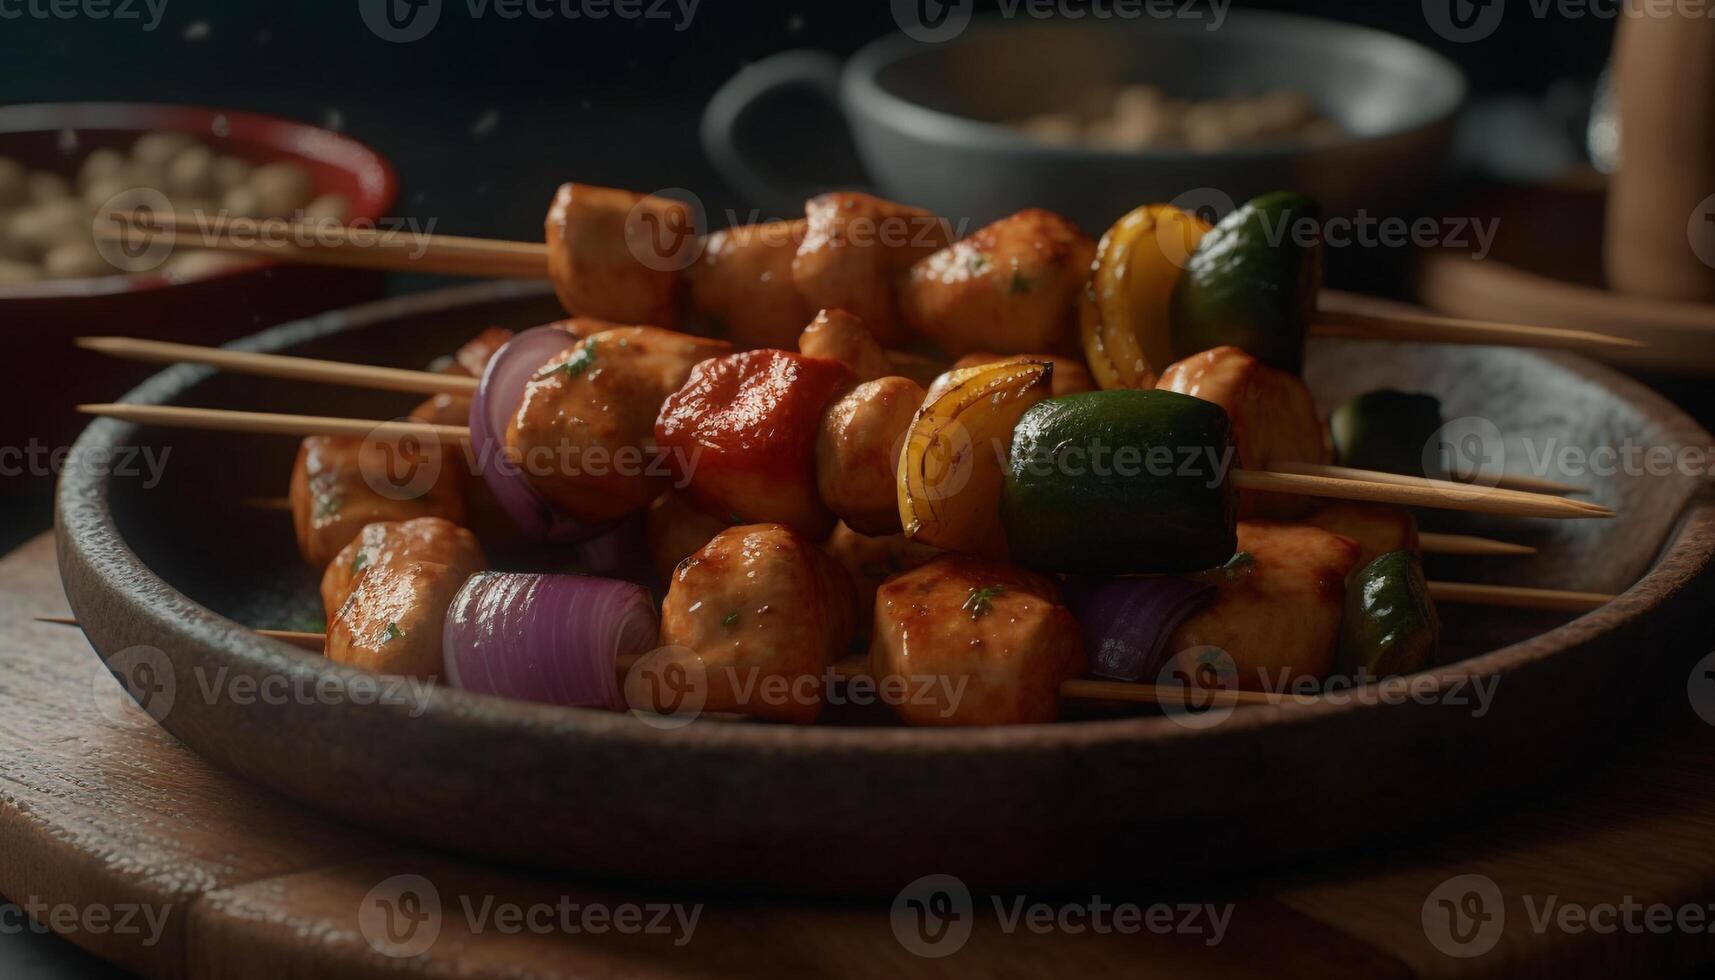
(483, 118)
(606, 101)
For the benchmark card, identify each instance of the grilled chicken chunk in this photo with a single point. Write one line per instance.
(1279, 612)
(386, 594)
(870, 561)
(765, 612)
(743, 283)
(676, 529)
(584, 434)
(1377, 528)
(618, 255)
(1273, 415)
(473, 356)
(839, 336)
(1010, 287)
(974, 642)
(331, 497)
(856, 250)
(341, 483)
(742, 433)
(857, 453)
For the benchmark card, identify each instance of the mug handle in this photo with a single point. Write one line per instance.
(816, 72)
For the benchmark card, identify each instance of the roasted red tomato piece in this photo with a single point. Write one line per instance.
(742, 434)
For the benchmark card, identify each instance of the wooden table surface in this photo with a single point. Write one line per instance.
(128, 844)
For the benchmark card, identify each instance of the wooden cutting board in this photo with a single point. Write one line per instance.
(131, 846)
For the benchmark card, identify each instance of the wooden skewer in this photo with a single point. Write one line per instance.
(270, 423)
(1452, 330)
(1435, 543)
(282, 366)
(1517, 597)
(1520, 484)
(1502, 502)
(1457, 492)
(329, 244)
(1508, 503)
(1428, 542)
(1529, 484)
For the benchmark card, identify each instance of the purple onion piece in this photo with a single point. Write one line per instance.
(1127, 621)
(556, 639)
(498, 396)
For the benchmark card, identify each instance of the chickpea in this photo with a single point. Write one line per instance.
(75, 260)
(196, 264)
(282, 187)
(152, 176)
(98, 193)
(242, 202)
(230, 172)
(191, 173)
(327, 207)
(11, 249)
(12, 188)
(105, 163)
(42, 226)
(44, 185)
(15, 273)
(157, 149)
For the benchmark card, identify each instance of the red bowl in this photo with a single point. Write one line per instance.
(205, 309)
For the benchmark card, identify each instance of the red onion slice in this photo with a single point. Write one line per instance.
(556, 639)
(1127, 621)
(498, 396)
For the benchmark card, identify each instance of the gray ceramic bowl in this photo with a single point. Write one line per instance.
(925, 117)
(168, 578)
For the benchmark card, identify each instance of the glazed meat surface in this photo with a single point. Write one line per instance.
(1273, 416)
(765, 612)
(584, 434)
(1011, 287)
(742, 282)
(839, 336)
(857, 453)
(617, 255)
(1277, 615)
(856, 250)
(1377, 528)
(386, 594)
(996, 634)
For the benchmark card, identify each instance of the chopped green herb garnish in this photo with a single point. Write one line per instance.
(393, 633)
(328, 504)
(358, 562)
(981, 600)
(977, 262)
(572, 366)
(730, 618)
(1236, 567)
(1020, 283)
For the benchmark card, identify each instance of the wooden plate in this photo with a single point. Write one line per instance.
(166, 578)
